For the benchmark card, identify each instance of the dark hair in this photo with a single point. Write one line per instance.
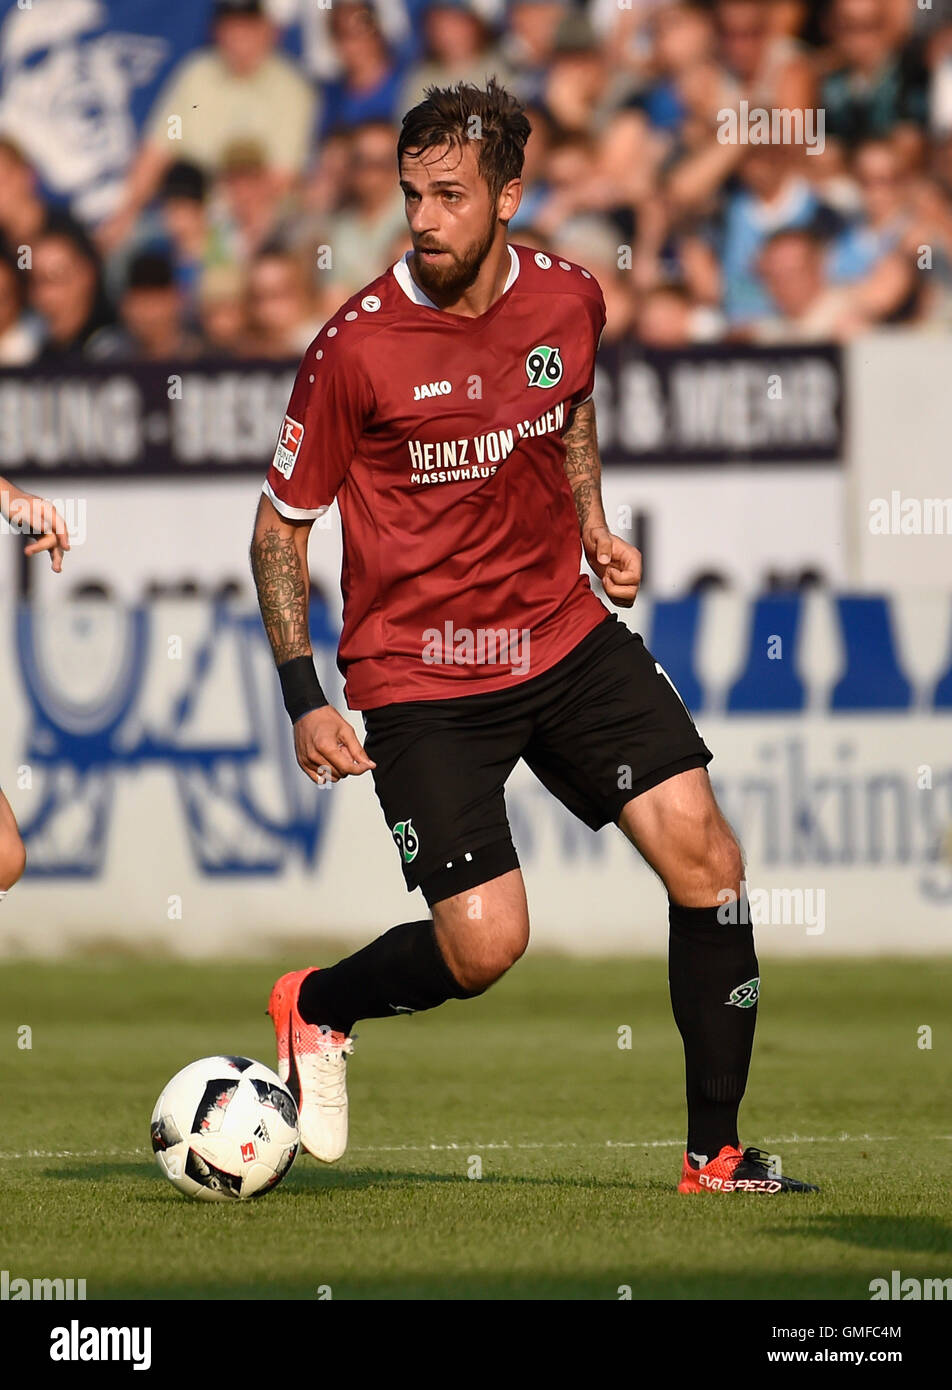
(276, 248)
(445, 117)
(11, 148)
(670, 289)
(150, 270)
(18, 279)
(184, 180)
(808, 236)
(64, 227)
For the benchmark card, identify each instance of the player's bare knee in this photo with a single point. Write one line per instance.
(486, 960)
(726, 865)
(705, 865)
(718, 867)
(477, 976)
(506, 952)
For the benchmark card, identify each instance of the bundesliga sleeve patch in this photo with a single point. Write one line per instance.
(285, 455)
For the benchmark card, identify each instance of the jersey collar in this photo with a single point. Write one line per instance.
(411, 289)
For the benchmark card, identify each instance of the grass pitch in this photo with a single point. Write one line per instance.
(578, 1140)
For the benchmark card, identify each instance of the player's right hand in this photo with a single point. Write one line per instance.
(327, 748)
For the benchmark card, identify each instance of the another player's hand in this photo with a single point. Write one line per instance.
(327, 747)
(41, 519)
(617, 564)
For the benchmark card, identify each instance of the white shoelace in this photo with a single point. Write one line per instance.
(330, 1075)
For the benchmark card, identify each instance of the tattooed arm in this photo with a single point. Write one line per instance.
(583, 467)
(327, 747)
(617, 564)
(279, 565)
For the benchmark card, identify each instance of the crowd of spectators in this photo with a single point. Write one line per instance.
(263, 195)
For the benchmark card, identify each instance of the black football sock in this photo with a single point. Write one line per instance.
(714, 980)
(402, 972)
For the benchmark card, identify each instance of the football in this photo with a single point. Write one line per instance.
(225, 1129)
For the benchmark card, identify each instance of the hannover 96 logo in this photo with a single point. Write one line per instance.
(745, 996)
(544, 366)
(406, 840)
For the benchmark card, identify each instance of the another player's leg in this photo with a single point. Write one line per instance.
(713, 974)
(456, 954)
(12, 852)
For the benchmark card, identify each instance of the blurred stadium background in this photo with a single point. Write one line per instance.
(189, 190)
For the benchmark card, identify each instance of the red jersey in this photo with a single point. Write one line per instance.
(440, 436)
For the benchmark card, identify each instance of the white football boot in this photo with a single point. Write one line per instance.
(312, 1063)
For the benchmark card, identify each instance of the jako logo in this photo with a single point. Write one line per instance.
(906, 1289)
(432, 388)
(75, 1343)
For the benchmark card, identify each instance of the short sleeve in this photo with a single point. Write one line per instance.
(173, 99)
(597, 317)
(295, 121)
(330, 405)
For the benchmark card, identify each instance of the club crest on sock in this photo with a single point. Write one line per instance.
(745, 996)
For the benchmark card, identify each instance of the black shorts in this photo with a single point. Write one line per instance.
(598, 728)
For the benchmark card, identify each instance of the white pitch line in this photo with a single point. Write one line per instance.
(73, 1153)
(624, 1143)
(495, 1144)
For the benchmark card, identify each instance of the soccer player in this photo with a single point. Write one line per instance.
(25, 512)
(447, 407)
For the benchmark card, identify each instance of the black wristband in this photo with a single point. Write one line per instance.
(300, 687)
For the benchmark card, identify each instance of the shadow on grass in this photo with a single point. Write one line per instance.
(307, 1178)
(310, 1178)
(103, 1172)
(891, 1234)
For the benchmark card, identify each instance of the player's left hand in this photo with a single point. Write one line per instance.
(617, 564)
(39, 517)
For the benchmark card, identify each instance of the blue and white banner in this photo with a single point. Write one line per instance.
(77, 81)
(78, 77)
(148, 758)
